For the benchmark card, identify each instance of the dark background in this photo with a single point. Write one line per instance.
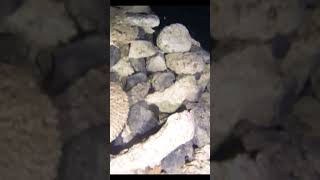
(195, 18)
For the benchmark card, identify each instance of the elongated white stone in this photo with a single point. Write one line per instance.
(178, 130)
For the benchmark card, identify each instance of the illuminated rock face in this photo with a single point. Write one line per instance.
(119, 109)
(161, 73)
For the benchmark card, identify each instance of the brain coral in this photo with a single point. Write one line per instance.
(119, 109)
(30, 147)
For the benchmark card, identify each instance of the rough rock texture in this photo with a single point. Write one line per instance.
(185, 63)
(156, 91)
(201, 164)
(141, 49)
(119, 109)
(30, 145)
(156, 63)
(141, 119)
(177, 159)
(171, 98)
(155, 148)
(174, 38)
(147, 22)
(161, 81)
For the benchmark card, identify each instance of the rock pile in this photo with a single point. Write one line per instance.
(265, 89)
(165, 77)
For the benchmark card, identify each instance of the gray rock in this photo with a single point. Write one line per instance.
(201, 162)
(156, 63)
(136, 9)
(139, 65)
(146, 21)
(173, 163)
(114, 55)
(201, 137)
(123, 34)
(172, 98)
(185, 63)
(123, 68)
(174, 38)
(161, 81)
(201, 114)
(255, 19)
(141, 49)
(134, 80)
(141, 119)
(89, 15)
(204, 54)
(204, 77)
(138, 92)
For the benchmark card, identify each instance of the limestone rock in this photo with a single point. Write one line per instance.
(123, 68)
(201, 164)
(138, 92)
(123, 34)
(134, 80)
(185, 63)
(147, 22)
(141, 49)
(156, 63)
(171, 98)
(174, 38)
(161, 81)
(150, 152)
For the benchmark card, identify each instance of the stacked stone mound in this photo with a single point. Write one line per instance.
(119, 109)
(266, 96)
(29, 139)
(161, 78)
